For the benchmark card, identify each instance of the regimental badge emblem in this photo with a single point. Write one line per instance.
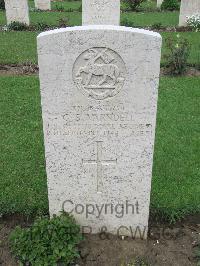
(99, 73)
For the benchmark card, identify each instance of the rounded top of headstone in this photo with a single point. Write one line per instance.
(102, 28)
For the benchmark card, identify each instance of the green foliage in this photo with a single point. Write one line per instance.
(64, 22)
(179, 51)
(41, 26)
(17, 26)
(157, 26)
(70, 10)
(59, 8)
(193, 39)
(194, 22)
(134, 4)
(2, 5)
(47, 241)
(170, 5)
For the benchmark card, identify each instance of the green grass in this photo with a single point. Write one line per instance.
(23, 186)
(53, 18)
(50, 18)
(146, 5)
(65, 4)
(74, 5)
(176, 175)
(19, 47)
(143, 19)
(2, 17)
(138, 18)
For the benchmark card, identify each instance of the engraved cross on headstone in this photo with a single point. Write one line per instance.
(101, 12)
(99, 162)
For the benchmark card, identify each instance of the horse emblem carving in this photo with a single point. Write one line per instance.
(100, 72)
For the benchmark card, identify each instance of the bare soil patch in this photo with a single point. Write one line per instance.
(33, 69)
(190, 72)
(167, 245)
(14, 69)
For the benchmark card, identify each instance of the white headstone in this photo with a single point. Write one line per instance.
(188, 8)
(159, 3)
(99, 87)
(17, 10)
(99, 12)
(43, 4)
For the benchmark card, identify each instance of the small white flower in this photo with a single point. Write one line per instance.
(194, 22)
(5, 28)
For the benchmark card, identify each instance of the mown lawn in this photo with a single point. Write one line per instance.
(23, 186)
(137, 18)
(20, 47)
(176, 175)
(176, 172)
(74, 5)
(50, 18)
(144, 19)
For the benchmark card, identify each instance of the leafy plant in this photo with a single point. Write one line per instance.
(2, 4)
(34, 9)
(17, 26)
(157, 26)
(170, 5)
(134, 4)
(70, 10)
(194, 22)
(63, 22)
(41, 26)
(47, 241)
(179, 51)
(59, 8)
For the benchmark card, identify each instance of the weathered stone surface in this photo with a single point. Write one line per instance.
(99, 12)
(17, 10)
(43, 4)
(159, 3)
(188, 8)
(99, 99)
